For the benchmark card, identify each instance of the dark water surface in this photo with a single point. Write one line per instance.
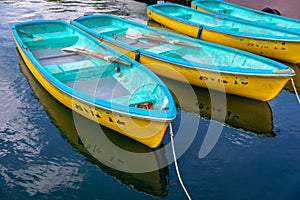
(44, 154)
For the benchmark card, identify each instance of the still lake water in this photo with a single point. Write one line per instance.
(44, 154)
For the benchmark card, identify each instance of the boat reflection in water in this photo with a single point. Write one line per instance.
(247, 114)
(84, 136)
(242, 113)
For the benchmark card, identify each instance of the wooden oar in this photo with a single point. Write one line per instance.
(135, 34)
(25, 33)
(78, 49)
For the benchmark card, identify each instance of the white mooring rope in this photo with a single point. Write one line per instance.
(295, 90)
(175, 162)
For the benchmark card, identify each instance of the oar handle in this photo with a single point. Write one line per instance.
(25, 33)
(105, 57)
(113, 59)
(102, 56)
(187, 44)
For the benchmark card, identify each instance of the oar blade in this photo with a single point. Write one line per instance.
(133, 34)
(72, 49)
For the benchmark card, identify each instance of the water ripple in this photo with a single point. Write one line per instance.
(240, 138)
(43, 178)
(67, 9)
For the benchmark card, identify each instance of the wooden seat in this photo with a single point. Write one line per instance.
(51, 42)
(69, 72)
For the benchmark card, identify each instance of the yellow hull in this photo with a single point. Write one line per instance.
(146, 131)
(278, 49)
(259, 87)
(289, 86)
(239, 112)
(84, 135)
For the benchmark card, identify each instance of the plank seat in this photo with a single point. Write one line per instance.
(69, 67)
(51, 42)
(77, 70)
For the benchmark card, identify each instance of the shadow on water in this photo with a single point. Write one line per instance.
(242, 113)
(86, 138)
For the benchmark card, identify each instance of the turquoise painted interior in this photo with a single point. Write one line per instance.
(207, 55)
(234, 10)
(213, 20)
(119, 83)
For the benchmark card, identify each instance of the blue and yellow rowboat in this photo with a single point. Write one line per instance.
(248, 14)
(266, 41)
(96, 81)
(190, 60)
(99, 147)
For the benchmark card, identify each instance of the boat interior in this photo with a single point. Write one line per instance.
(247, 13)
(107, 80)
(216, 21)
(205, 55)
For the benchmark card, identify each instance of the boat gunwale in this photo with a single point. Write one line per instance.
(153, 8)
(195, 2)
(191, 65)
(88, 99)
